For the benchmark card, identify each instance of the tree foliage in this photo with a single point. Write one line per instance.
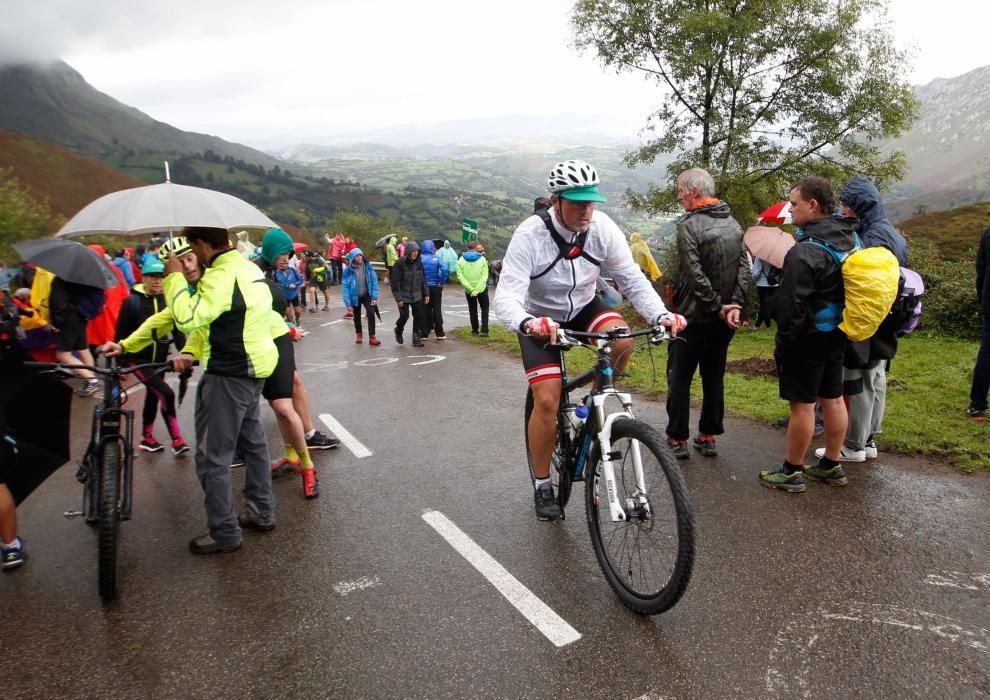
(365, 229)
(21, 215)
(758, 92)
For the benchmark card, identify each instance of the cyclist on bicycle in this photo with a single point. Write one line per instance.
(548, 279)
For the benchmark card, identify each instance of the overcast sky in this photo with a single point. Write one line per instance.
(256, 70)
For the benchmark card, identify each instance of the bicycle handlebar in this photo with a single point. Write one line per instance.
(106, 371)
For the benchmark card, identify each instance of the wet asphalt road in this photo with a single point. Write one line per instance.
(880, 589)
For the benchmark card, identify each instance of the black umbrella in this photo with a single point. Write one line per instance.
(69, 261)
(34, 424)
(383, 241)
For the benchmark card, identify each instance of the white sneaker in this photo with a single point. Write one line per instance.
(845, 455)
(871, 450)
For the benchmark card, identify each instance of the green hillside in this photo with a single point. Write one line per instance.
(429, 212)
(955, 232)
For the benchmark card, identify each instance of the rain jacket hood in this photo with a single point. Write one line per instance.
(276, 242)
(353, 254)
(428, 247)
(472, 255)
(410, 247)
(874, 228)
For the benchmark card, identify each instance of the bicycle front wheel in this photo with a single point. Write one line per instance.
(108, 522)
(646, 558)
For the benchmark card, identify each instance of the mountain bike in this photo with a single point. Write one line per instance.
(106, 469)
(638, 510)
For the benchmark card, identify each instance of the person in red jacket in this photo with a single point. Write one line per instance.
(102, 329)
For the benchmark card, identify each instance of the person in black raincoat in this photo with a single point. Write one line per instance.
(408, 281)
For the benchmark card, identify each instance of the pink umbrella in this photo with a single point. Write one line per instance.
(299, 247)
(770, 244)
(779, 213)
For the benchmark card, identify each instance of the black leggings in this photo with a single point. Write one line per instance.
(369, 309)
(158, 394)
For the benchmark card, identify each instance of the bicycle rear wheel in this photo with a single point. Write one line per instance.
(108, 523)
(561, 486)
(647, 559)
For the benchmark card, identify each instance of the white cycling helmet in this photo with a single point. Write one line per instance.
(575, 179)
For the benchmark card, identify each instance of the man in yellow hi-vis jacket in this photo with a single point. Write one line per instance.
(230, 314)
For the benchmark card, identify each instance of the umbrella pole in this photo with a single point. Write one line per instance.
(167, 179)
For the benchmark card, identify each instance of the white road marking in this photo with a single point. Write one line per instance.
(376, 361)
(552, 625)
(436, 358)
(345, 587)
(351, 442)
(958, 579)
(796, 640)
(330, 323)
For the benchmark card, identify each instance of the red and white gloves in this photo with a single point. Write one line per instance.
(543, 326)
(675, 322)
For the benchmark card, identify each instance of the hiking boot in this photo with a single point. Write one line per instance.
(678, 448)
(359, 338)
(13, 556)
(871, 449)
(204, 544)
(474, 332)
(484, 334)
(417, 341)
(285, 466)
(833, 476)
(546, 503)
(978, 414)
(311, 485)
(777, 478)
(705, 445)
(374, 341)
(179, 447)
(89, 388)
(846, 455)
(319, 441)
(398, 336)
(150, 444)
(251, 519)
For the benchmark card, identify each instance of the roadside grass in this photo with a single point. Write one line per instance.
(928, 390)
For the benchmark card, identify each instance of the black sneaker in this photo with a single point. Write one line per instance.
(706, 446)
(150, 444)
(976, 413)
(13, 556)
(833, 476)
(238, 461)
(319, 441)
(398, 336)
(204, 544)
(484, 334)
(546, 503)
(678, 448)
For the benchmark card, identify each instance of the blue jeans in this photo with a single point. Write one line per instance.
(981, 372)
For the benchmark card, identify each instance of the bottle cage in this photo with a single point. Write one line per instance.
(565, 250)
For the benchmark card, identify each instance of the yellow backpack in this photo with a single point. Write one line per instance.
(41, 289)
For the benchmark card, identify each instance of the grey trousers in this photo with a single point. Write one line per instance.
(228, 418)
(866, 407)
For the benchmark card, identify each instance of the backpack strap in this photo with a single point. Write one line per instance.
(565, 250)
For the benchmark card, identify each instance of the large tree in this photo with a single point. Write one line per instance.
(758, 92)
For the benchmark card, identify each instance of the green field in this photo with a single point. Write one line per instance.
(928, 390)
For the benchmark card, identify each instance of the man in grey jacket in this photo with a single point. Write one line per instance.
(710, 284)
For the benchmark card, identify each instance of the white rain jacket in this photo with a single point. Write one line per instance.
(569, 286)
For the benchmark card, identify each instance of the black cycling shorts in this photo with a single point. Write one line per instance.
(279, 384)
(542, 360)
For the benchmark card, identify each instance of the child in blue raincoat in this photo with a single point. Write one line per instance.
(359, 287)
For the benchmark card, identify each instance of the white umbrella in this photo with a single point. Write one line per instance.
(162, 208)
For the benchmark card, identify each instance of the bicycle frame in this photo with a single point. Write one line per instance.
(604, 387)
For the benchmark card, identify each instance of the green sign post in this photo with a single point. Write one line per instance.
(469, 231)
